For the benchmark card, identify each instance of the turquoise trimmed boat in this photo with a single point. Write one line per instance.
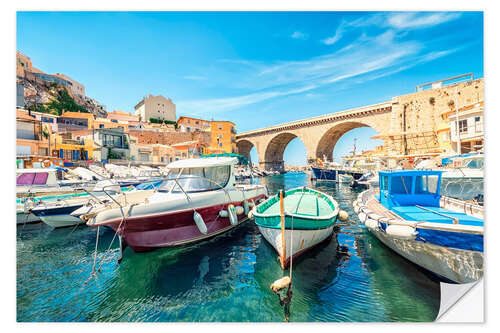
(310, 214)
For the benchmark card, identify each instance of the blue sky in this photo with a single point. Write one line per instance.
(255, 68)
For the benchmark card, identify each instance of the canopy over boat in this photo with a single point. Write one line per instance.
(409, 188)
(241, 159)
(202, 162)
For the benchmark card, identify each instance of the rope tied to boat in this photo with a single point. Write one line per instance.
(279, 285)
(119, 229)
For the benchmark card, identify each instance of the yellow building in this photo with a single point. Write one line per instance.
(222, 137)
(71, 121)
(71, 148)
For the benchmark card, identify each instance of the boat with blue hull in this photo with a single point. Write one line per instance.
(324, 173)
(441, 234)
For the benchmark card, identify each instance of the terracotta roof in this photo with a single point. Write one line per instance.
(72, 114)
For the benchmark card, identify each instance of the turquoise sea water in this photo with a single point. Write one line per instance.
(353, 277)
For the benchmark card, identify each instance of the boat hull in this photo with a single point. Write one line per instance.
(59, 216)
(457, 265)
(21, 218)
(333, 174)
(296, 244)
(61, 221)
(174, 228)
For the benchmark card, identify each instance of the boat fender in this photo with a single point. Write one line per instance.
(239, 210)
(401, 231)
(383, 220)
(200, 223)
(371, 224)
(250, 214)
(356, 208)
(233, 218)
(366, 210)
(362, 217)
(223, 213)
(343, 215)
(246, 206)
(251, 204)
(374, 216)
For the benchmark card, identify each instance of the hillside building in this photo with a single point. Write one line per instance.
(155, 107)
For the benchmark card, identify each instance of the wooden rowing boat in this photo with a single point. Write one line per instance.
(299, 220)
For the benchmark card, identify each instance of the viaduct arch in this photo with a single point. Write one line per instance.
(319, 134)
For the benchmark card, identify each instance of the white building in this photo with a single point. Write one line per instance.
(470, 128)
(156, 107)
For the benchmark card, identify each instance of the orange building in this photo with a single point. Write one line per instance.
(189, 124)
(222, 137)
(117, 116)
(187, 149)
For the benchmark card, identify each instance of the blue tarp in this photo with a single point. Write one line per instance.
(58, 168)
(448, 160)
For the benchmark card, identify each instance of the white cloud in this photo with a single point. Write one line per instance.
(230, 103)
(299, 35)
(336, 37)
(419, 20)
(364, 59)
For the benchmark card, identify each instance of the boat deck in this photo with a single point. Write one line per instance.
(421, 213)
(436, 215)
(307, 205)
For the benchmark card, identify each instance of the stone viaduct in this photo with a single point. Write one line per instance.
(414, 123)
(319, 134)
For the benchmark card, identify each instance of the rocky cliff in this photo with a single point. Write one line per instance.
(53, 97)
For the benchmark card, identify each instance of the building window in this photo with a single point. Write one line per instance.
(478, 125)
(101, 125)
(462, 126)
(220, 127)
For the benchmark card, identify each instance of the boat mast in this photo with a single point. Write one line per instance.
(459, 148)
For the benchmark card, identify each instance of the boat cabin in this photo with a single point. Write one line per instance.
(200, 175)
(409, 188)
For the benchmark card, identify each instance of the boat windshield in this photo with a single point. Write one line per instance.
(196, 179)
(473, 163)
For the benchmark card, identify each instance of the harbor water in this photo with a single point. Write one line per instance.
(352, 277)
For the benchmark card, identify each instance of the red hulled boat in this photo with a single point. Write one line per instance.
(198, 200)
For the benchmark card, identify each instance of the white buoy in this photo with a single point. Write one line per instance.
(401, 231)
(246, 206)
(371, 224)
(362, 217)
(233, 218)
(343, 215)
(200, 223)
(239, 210)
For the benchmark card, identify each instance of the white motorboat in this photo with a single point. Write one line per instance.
(198, 200)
